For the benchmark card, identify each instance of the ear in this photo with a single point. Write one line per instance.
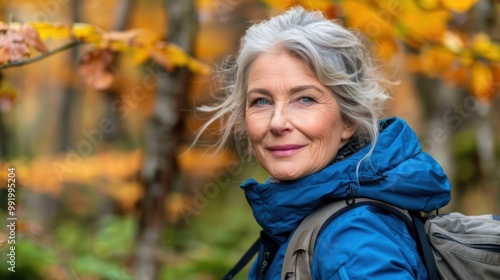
(348, 132)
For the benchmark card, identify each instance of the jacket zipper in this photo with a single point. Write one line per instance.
(486, 247)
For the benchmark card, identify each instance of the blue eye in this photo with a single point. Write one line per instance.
(306, 100)
(260, 102)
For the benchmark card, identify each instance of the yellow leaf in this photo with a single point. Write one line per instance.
(140, 55)
(481, 42)
(87, 33)
(198, 67)
(52, 30)
(459, 6)
(481, 80)
(142, 45)
(483, 46)
(420, 24)
(171, 56)
(429, 4)
(466, 58)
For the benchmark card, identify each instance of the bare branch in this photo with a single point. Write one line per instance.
(41, 56)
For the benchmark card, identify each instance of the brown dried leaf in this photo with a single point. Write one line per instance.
(95, 68)
(32, 38)
(12, 46)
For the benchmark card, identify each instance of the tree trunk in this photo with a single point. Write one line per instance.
(163, 138)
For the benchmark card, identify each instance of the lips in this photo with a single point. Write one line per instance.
(284, 150)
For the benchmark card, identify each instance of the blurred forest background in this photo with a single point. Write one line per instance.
(97, 112)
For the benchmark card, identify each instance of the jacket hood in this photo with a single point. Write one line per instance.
(397, 172)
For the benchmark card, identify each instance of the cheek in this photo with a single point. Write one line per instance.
(256, 127)
(323, 124)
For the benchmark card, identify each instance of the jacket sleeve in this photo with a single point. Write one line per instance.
(365, 243)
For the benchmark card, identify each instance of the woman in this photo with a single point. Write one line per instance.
(304, 91)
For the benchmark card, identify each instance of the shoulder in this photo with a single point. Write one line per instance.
(366, 242)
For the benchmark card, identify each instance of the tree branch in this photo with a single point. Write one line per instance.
(42, 56)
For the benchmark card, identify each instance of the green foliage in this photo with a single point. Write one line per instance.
(77, 249)
(31, 259)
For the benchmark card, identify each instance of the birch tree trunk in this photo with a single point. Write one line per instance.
(163, 138)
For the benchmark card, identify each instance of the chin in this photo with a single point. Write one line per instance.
(286, 176)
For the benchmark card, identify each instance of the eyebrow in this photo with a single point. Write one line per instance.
(292, 90)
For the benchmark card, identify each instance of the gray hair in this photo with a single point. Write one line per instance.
(337, 56)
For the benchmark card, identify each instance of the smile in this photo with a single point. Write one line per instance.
(284, 150)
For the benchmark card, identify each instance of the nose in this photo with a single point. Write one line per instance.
(280, 122)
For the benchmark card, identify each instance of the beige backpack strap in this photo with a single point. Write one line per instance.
(298, 255)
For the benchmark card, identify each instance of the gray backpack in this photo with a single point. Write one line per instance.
(452, 246)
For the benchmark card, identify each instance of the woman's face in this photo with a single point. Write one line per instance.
(292, 120)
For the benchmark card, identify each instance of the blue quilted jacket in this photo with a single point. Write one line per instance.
(363, 243)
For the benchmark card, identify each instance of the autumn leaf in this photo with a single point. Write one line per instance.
(365, 18)
(12, 46)
(32, 38)
(87, 33)
(142, 45)
(172, 56)
(483, 46)
(52, 30)
(459, 6)
(481, 80)
(422, 25)
(428, 4)
(95, 68)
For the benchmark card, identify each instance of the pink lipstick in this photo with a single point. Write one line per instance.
(284, 150)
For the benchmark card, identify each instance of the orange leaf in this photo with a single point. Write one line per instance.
(175, 205)
(385, 47)
(95, 68)
(481, 80)
(366, 19)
